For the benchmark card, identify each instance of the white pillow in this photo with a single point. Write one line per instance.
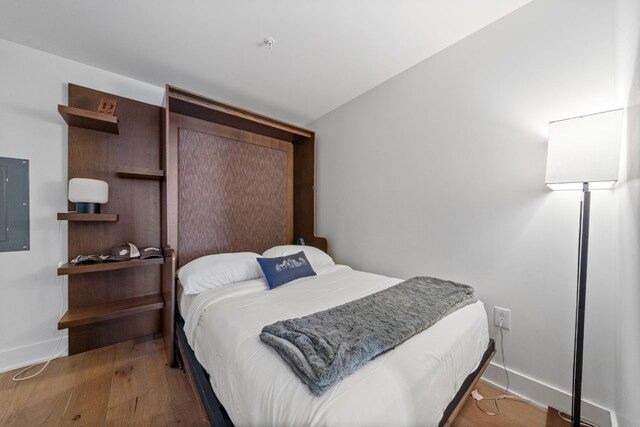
(213, 271)
(316, 257)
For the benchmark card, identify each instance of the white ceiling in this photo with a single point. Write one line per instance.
(326, 52)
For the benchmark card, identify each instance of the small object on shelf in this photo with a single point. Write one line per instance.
(88, 194)
(123, 252)
(150, 252)
(89, 259)
(107, 106)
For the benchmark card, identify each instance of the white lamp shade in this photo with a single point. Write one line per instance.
(584, 149)
(84, 190)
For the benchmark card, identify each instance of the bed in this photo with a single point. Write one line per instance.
(237, 181)
(410, 385)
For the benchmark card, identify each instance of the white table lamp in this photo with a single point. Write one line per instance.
(88, 194)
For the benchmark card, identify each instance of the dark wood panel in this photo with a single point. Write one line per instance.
(96, 313)
(178, 122)
(139, 173)
(109, 332)
(107, 286)
(198, 106)
(101, 217)
(304, 194)
(232, 196)
(168, 296)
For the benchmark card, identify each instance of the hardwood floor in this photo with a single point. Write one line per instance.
(512, 412)
(130, 384)
(126, 384)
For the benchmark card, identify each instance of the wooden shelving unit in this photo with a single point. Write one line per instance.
(114, 301)
(140, 173)
(69, 268)
(112, 310)
(73, 216)
(88, 119)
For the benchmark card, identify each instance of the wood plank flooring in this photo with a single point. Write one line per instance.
(130, 384)
(512, 412)
(126, 384)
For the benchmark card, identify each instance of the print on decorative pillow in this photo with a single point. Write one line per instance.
(284, 269)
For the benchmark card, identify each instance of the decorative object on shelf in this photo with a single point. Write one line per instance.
(150, 252)
(88, 194)
(89, 259)
(583, 154)
(121, 252)
(124, 252)
(107, 106)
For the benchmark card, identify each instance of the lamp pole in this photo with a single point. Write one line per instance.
(583, 253)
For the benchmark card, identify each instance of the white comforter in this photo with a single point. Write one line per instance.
(410, 385)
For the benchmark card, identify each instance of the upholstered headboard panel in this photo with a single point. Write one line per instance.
(233, 195)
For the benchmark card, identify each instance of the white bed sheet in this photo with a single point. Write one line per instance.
(410, 385)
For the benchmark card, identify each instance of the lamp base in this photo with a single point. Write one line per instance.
(555, 420)
(88, 208)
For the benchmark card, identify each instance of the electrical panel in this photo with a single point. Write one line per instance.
(14, 205)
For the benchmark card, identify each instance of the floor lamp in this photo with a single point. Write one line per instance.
(583, 154)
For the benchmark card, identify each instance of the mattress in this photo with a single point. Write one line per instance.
(409, 385)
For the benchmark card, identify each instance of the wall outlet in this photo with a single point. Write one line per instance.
(502, 316)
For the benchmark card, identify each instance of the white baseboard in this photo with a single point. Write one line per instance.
(33, 353)
(544, 395)
(614, 419)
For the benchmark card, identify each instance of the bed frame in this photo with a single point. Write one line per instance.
(273, 203)
(218, 417)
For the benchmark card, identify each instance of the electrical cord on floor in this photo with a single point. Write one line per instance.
(54, 353)
(506, 396)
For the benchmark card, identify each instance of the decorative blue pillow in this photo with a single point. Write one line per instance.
(284, 269)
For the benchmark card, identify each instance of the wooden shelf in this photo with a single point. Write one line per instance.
(140, 173)
(69, 268)
(88, 119)
(73, 216)
(111, 310)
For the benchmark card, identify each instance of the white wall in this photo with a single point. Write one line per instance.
(627, 330)
(32, 84)
(440, 171)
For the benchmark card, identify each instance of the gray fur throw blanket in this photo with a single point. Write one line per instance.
(324, 347)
